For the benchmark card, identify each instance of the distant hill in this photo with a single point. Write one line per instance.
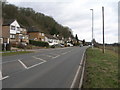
(29, 18)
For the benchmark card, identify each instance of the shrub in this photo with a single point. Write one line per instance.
(39, 43)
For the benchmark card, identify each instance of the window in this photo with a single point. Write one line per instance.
(42, 34)
(12, 27)
(18, 28)
(12, 36)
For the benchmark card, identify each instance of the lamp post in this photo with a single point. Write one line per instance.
(103, 30)
(92, 26)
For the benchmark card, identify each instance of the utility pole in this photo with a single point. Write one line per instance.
(92, 26)
(103, 30)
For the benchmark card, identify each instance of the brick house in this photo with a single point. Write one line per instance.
(12, 32)
(36, 35)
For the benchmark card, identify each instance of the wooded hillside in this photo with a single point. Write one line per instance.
(28, 18)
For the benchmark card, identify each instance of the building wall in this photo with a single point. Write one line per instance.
(14, 27)
(5, 34)
(36, 36)
(5, 31)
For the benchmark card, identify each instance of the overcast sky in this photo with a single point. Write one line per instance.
(76, 15)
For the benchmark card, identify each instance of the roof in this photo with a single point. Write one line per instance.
(60, 37)
(8, 22)
(33, 29)
(50, 36)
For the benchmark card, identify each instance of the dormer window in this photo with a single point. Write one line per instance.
(12, 27)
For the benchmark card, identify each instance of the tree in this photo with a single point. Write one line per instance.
(83, 42)
(28, 17)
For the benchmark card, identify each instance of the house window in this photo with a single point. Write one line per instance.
(18, 28)
(12, 27)
(42, 34)
(12, 36)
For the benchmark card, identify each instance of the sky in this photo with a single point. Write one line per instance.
(76, 14)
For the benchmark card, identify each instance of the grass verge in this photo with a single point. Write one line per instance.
(16, 53)
(101, 69)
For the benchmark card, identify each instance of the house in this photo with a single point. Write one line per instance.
(23, 35)
(35, 34)
(11, 32)
(51, 39)
(60, 39)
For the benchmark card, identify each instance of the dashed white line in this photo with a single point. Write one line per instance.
(23, 64)
(39, 59)
(56, 56)
(64, 53)
(48, 56)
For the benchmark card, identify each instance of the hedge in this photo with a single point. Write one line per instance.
(39, 43)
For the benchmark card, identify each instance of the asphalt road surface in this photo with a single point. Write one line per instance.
(47, 68)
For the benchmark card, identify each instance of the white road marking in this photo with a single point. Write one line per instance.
(48, 56)
(9, 61)
(43, 61)
(0, 74)
(64, 53)
(4, 78)
(77, 73)
(56, 56)
(39, 59)
(36, 65)
(23, 64)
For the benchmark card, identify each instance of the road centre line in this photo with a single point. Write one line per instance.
(53, 54)
(48, 56)
(56, 56)
(64, 53)
(39, 58)
(23, 64)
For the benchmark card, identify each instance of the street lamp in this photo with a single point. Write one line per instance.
(92, 26)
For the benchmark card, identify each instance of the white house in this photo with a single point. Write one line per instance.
(11, 31)
(51, 40)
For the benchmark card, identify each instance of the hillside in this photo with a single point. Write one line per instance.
(28, 18)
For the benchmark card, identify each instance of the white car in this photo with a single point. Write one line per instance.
(69, 44)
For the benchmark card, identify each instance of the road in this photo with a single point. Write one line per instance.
(47, 68)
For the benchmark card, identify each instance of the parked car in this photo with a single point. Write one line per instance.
(69, 44)
(81, 45)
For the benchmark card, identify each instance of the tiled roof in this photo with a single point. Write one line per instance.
(8, 22)
(50, 36)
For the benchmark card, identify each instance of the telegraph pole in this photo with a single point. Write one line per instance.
(103, 30)
(92, 26)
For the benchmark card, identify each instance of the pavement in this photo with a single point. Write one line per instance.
(46, 68)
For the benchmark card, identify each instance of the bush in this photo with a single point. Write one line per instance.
(53, 46)
(39, 43)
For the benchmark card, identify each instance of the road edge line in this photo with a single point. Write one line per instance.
(76, 75)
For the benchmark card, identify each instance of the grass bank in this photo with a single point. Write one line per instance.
(16, 53)
(101, 69)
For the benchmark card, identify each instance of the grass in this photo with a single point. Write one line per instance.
(16, 53)
(101, 69)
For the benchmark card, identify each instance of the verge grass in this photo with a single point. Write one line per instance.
(15, 53)
(101, 69)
